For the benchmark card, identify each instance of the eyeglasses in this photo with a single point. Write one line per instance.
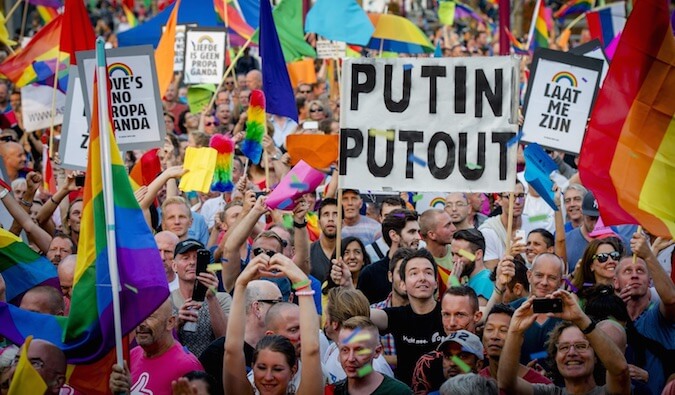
(229, 82)
(208, 123)
(579, 346)
(456, 204)
(604, 256)
(36, 362)
(259, 250)
(7, 139)
(270, 301)
(316, 110)
(303, 91)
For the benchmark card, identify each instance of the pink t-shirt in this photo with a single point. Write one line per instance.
(154, 375)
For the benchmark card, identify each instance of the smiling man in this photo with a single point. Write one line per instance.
(574, 195)
(355, 224)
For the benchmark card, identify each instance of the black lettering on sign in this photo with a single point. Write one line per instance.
(402, 104)
(502, 138)
(433, 72)
(442, 172)
(460, 90)
(477, 171)
(366, 86)
(85, 139)
(354, 152)
(494, 97)
(375, 169)
(411, 137)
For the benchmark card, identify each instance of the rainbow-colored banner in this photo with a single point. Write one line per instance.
(540, 33)
(518, 47)
(628, 151)
(574, 7)
(87, 334)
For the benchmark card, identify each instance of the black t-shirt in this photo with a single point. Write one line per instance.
(320, 264)
(374, 282)
(212, 360)
(414, 335)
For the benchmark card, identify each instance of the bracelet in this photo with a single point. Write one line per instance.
(26, 203)
(300, 284)
(305, 293)
(53, 201)
(589, 328)
(302, 287)
(499, 292)
(4, 193)
(299, 226)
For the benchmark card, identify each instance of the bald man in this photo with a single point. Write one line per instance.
(14, 157)
(157, 360)
(51, 362)
(284, 319)
(43, 299)
(254, 79)
(66, 271)
(166, 243)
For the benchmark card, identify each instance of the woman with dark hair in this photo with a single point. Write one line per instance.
(598, 263)
(274, 361)
(539, 241)
(353, 253)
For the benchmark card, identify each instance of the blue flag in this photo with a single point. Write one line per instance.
(276, 83)
(340, 20)
(438, 53)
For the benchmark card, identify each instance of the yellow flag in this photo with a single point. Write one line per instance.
(165, 52)
(4, 34)
(26, 381)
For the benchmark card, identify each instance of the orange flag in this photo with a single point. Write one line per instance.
(301, 71)
(165, 52)
(318, 150)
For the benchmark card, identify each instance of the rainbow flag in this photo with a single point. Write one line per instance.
(87, 334)
(464, 11)
(574, 7)
(47, 14)
(539, 37)
(235, 22)
(131, 18)
(22, 268)
(47, 3)
(518, 47)
(628, 151)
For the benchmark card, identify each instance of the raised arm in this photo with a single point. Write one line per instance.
(662, 283)
(167, 176)
(22, 217)
(47, 210)
(300, 237)
(509, 380)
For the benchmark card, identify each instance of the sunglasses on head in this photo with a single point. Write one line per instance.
(260, 250)
(604, 256)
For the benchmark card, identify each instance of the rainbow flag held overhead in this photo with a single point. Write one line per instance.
(573, 7)
(22, 268)
(628, 154)
(131, 18)
(234, 20)
(464, 11)
(87, 334)
(539, 37)
(518, 47)
(47, 14)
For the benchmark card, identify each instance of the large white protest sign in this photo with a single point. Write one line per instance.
(75, 131)
(36, 107)
(179, 46)
(204, 56)
(137, 112)
(429, 124)
(560, 95)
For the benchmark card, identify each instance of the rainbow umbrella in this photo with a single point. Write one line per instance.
(394, 33)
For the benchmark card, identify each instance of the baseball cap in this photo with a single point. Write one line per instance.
(470, 343)
(356, 191)
(590, 205)
(187, 245)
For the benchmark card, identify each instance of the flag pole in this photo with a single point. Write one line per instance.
(53, 109)
(14, 8)
(108, 199)
(533, 23)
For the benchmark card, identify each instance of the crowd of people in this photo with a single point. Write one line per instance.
(358, 305)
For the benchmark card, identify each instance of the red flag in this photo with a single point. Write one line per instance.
(77, 33)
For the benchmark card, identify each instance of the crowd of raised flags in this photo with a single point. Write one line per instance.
(626, 162)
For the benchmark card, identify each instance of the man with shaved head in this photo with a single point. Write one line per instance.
(157, 360)
(254, 79)
(14, 157)
(48, 360)
(66, 271)
(166, 243)
(43, 299)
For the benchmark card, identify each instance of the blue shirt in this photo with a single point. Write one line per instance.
(653, 325)
(482, 284)
(199, 230)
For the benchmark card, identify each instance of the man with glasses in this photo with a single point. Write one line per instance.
(209, 315)
(49, 362)
(457, 205)
(305, 90)
(494, 228)
(575, 345)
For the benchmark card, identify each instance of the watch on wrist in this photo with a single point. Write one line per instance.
(4, 193)
(589, 328)
(299, 226)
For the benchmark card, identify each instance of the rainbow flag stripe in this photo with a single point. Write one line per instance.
(22, 268)
(540, 34)
(628, 151)
(234, 20)
(574, 7)
(518, 47)
(87, 334)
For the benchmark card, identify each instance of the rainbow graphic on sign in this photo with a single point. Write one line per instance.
(205, 38)
(437, 202)
(565, 75)
(121, 67)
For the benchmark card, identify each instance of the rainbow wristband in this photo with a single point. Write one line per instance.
(301, 284)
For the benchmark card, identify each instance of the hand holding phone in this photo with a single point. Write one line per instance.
(203, 259)
(546, 305)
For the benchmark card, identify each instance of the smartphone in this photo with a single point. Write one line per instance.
(259, 194)
(203, 259)
(79, 180)
(523, 236)
(309, 125)
(546, 305)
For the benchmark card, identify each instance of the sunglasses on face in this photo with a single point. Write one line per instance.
(208, 123)
(604, 256)
(259, 250)
(7, 139)
(303, 91)
(316, 110)
(229, 82)
(270, 301)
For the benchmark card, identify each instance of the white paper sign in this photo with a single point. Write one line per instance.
(75, 131)
(36, 106)
(204, 56)
(179, 46)
(561, 92)
(428, 124)
(326, 49)
(137, 111)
